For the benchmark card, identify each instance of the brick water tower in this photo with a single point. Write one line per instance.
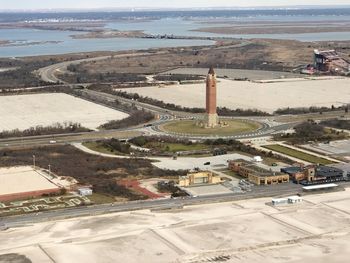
(211, 118)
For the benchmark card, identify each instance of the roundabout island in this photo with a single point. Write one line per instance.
(190, 127)
(210, 125)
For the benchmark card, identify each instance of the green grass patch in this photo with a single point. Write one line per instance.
(101, 198)
(298, 154)
(176, 147)
(190, 127)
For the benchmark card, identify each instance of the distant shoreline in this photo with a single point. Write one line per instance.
(7, 43)
(175, 9)
(270, 30)
(4, 42)
(109, 34)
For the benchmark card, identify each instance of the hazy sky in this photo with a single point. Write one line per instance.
(47, 4)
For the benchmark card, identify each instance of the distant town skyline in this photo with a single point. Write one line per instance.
(92, 4)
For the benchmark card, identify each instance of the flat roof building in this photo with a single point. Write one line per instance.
(315, 174)
(345, 167)
(327, 172)
(279, 201)
(294, 199)
(256, 174)
(288, 200)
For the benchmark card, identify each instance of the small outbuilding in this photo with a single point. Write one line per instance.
(294, 199)
(279, 201)
(85, 191)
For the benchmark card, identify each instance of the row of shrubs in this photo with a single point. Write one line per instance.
(312, 109)
(312, 131)
(56, 128)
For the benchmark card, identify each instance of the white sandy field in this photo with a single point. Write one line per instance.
(317, 230)
(250, 95)
(22, 179)
(25, 111)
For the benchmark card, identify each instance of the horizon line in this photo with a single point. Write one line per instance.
(136, 9)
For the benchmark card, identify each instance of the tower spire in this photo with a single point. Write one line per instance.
(211, 70)
(211, 114)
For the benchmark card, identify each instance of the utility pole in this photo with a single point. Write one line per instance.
(49, 169)
(34, 161)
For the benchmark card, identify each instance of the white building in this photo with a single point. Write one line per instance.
(279, 201)
(294, 199)
(290, 200)
(85, 191)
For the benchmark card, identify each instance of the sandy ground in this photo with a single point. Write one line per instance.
(25, 111)
(317, 230)
(22, 179)
(264, 96)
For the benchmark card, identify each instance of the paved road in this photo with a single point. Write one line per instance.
(278, 190)
(48, 74)
(69, 138)
(163, 117)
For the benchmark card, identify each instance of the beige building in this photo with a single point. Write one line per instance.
(204, 177)
(257, 175)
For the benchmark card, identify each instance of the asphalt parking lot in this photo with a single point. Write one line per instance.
(216, 162)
